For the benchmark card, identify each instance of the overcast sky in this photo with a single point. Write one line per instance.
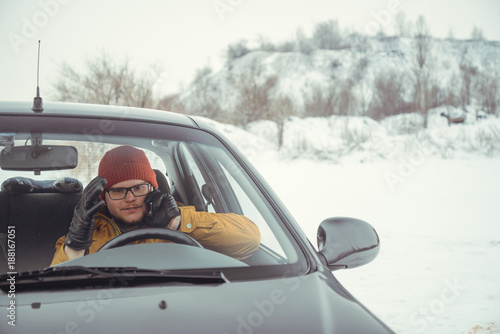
(183, 36)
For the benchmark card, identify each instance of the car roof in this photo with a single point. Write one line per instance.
(83, 110)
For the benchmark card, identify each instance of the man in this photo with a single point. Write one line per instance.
(124, 197)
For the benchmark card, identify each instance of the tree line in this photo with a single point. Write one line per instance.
(391, 92)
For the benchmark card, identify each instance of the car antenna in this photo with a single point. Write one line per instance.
(37, 101)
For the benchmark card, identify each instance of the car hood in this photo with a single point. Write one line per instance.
(315, 303)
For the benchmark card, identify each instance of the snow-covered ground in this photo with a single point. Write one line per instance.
(438, 270)
(433, 198)
(431, 195)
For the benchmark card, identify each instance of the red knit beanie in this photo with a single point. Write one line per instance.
(125, 163)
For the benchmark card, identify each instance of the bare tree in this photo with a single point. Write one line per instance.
(254, 93)
(106, 82)
(477, 33)
(451, 35)
(281, 108)
(265, 44)
(327, 35)
(451, 92)
(423, 67)
(486, 91)
(423, 41)
(206, 101)
(172, 103)
(467, 72)
(304, 44)
(321, 102)
(388, 95)
(351, 103)
(403, 26)
(236, 50)
(347, 102)
(365, 95)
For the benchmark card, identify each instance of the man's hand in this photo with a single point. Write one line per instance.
(161, 209)
(81, 229)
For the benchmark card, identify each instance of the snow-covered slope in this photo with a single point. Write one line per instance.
(300, 74)
(361, 139)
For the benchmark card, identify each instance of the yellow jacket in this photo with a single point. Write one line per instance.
(226, 233)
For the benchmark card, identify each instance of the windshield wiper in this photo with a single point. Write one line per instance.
(61, 277)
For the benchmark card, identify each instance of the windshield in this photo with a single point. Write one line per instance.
(208, 183)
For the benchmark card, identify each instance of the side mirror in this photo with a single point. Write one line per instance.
(347, 243)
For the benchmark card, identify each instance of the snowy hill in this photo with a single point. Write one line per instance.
(356, 67)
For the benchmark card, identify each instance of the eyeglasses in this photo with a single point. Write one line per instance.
(137, 190)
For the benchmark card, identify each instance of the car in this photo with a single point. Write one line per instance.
(51, 150)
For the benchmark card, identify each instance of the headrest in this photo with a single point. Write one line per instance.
(24, 185)
(161, 179)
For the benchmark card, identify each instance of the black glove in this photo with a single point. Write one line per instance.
(160, 209)
(82, 225)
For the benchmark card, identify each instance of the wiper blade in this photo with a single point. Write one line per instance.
(55, 272)
(59, 277)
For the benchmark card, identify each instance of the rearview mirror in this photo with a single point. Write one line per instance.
(347, 243)
(43, 157)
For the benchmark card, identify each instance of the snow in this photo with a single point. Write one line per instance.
(300, 75)
(431, 196)
(440, 226)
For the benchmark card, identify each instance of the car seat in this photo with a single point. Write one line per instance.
(40, 213)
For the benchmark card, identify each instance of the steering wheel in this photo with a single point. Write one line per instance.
(150, 233)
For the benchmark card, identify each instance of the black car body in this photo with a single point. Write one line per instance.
(286, 287)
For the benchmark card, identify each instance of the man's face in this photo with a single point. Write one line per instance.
(130, 210)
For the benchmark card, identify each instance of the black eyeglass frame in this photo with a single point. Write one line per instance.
(150, 188)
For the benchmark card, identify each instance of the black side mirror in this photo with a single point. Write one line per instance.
(347, 243)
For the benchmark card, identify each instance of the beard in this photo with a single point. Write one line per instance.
(128, 226)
